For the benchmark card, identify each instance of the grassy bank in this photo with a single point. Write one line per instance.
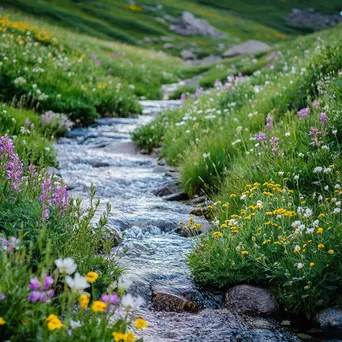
(267, 147)
(47, 68)
(59, 277)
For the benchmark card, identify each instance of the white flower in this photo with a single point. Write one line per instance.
(317, 169)
(338, 203)
(297, 248)
(320, 198)
(296, 177)
(300, 155)
(337, 186)
(281, 173)
(66, 266)
(78, 284)
(334, 131)
(20, 80)
(337, 210)
(310, 230)
(243, 197)
(296, 224)
(75, 324)
(325, 147)
(124, 284)
(315, 223)
(326, 187)
(299, 265)
(130, 302)
(327, 170)
(287, 134)
(259, 204)
(206, 155)
(308, 212)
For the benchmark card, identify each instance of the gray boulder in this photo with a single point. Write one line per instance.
(330, 318)
(189, 25)
(250, 300)
(187, 54)
(251, 46)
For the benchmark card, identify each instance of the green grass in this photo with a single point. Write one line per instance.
(212, 141)
(47, 68)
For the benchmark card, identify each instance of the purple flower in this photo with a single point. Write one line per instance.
(48, 281)
(34, 296)
(269, 122)
(61, 198)
(183, 97)
(304, 112)
(217, 83)
(198, 91)
(110, 298)
(323, 118)
(98, 63)
(34, 284)
(239, 74)
(92, 56)
(233, 66)
(261, 136)
(2, 296)
(27, 122)
(315, 104)
(274, 142)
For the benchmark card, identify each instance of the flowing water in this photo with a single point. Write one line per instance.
(105, 156)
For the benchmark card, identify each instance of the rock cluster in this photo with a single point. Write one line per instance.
(311, 18)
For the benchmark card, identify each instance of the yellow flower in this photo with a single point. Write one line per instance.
(312, 264)
(118, 336)
(99, 306)
(331, 251)
(84, 301)
(232, 195)
(53, 322)
(320, 246)
(217, 234)
(266, 242)
(244, 252)
(129, 337)
(306, 287)
(2, 321)
(140, 323)
(91, 277)
(321, 215)
(320, 230)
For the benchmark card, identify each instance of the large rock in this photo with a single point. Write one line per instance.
(311, 18)
(251, 46)
(187, 55)
(166, 301)
(250, 300)
(329, 319)
(188, 25)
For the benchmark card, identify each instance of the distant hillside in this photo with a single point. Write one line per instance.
(147, 22)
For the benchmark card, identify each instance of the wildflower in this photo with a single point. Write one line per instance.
(304, 112)
(91, 277)
(2, 296)
(296, 249)
(296, 177)
(306, 287)
(315, 104)
(274, 141)
(320, 230)
(320, 246)
(299, 265)
(206, 155)
(53, 322)
(140, 323)
(84, 300)
(232, 195)
(77, 284)
(244, 253)
(66, 266)
(312, 264)
(130, 302)
(337, 210)
(130, 337)
(2, 321)
(110, 298)
(261, 136)
(118, 336)
(269, 122)
(75, 324)
(323, 118)
(99, 306)
(281, 173)
(217, 234)
(331, 251)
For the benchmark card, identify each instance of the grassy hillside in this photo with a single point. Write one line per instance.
(117, 20)
(49, 68)
(266, 145)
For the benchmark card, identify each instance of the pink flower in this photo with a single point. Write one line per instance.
(304, 112)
